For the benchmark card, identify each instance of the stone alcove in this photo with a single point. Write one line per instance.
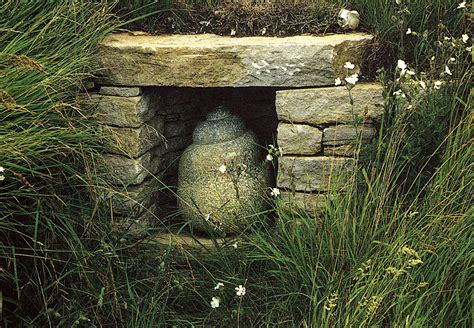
(151, 91)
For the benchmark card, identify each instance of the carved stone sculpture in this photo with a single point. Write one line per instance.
(222, 177)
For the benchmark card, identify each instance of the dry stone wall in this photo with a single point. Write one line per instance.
(151, 91)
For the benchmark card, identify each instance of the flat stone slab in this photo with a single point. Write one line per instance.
(347, 134)
(308, 174)
(330, 105)
(208, 60)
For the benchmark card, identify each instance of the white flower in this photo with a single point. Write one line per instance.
(2, 177)
(398, 92)
(423, 84)
(222, 168)
(410, 72)
(215, 302)
(349, 65)
(432, 58)
(409, 31)
(337, 81)
(465, 37)
(352, 79)
(219, 285)
(241, 290)
(2, 169)
(402, 66)
(452, 60)
(232, 32)
(269, 158)
(235, 245)
(468, 49)
(462, 5)
(437, 85)
(447, 70)
(398, 2)
(275, 192)
(348, 19)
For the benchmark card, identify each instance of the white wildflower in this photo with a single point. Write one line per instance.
(269, 158)
(398, 2)
(468, 49)
(222, 168)
(232, 32)
(352, 79)
(447, 70)
(337, 81)
(241, 290)
(437, 85)
(349, 65)
(452, 60)
(219, 285)
(398, 92)
(409, 31)
(410, 72)
(215, 302)
(423, 84)
(462, 5)
(348, 19)
(402, 66)
(465, 38)
(2, 177)
(275, 192)
(235, 245)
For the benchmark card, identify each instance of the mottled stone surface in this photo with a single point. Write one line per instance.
(120, 91)
(344, 150)
(207, 60)
(330, 105)
(122, 111)
(312, 173)
(132, 200)
(299, 139)
(134, 142)
(118, 169)
(304, 201)
(347, 134)
(222, 180)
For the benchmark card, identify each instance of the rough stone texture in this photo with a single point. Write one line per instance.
(208, 60)
(299, 139)
(344, 150)
(134, 142)
(347, 134)
(122, 111)
(305, 201)
(312, 173)
(330, 105)
(132, 200)
(224, 200)
(120, 91)
(122, 170)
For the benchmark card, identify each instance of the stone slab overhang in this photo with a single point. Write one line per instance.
(208, 60)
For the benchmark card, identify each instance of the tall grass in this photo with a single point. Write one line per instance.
(393, 250)
(46, 143)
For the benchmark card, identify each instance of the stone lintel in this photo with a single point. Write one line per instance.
(330, 105)
(208, 60)
(120, 91)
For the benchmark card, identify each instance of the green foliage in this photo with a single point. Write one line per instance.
(394, 250)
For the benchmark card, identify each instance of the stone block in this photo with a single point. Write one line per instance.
(123, 170)
(120, 91)
(207, 60)
(313, 173)
(347, 134)
(299, 139)
(304, 201)
(132, 200)
(330, 105)
(134, 142)
(121, 111)
(344, 150)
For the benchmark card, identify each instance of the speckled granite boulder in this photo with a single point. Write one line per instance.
(222, 177)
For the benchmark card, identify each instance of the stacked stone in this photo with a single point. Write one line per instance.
(319, 132)
(146, 129)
